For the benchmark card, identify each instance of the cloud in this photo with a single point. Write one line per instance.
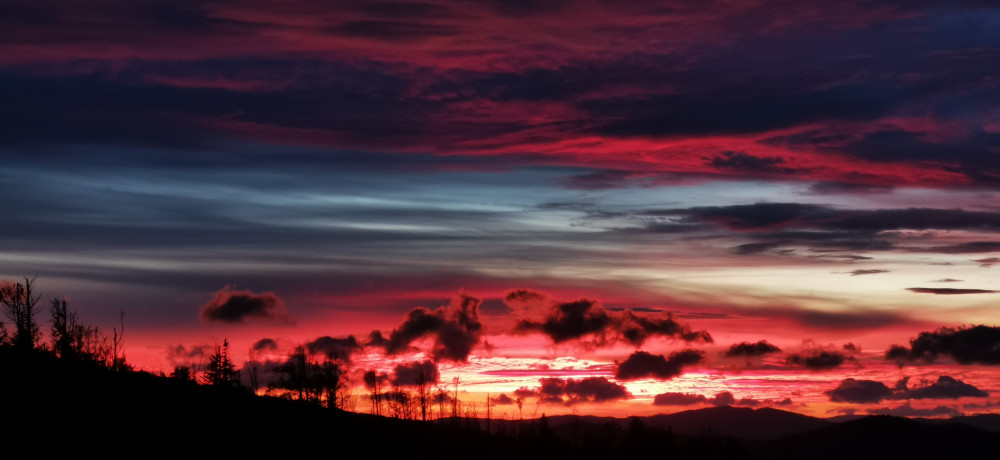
(376, 339)
(335, 348)
(946, 387)
(590, 389)
(949, 291)
(969, 345)
(987, 262)
(234, 306)
(817, 359)
(906, 410)
(455, 327)
(946, 280)
(583, 318)
(678, 399)
(503, 400)
(645, 365)
(723, 398)
(743, 162)
(866, 272)
(180, 355)
(416, 374)
(265, 344)
(751, 349)
(859, 391)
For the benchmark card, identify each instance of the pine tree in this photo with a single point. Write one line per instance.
(220, 370)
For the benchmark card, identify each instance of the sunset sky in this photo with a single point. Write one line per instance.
(595, 203)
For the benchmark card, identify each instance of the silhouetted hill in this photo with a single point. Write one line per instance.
(882, 437)
(740, 422)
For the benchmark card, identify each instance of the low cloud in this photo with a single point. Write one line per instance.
(987, 262)
(866, 272)
(588, 319)
(455, 327)
(818, 359)
(416, 374)
(645, 365)
(906, 410)
(571, 391)
(860, 391)
(751, 349)
(678, 399)
(232, 306)
(972, 345)
(946, 387)
(265, 344)
(335, 348)
(949, 291)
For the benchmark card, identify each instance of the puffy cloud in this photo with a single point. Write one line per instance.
(584, 318)
(180, 355)
(821, 358)
(503, 400)
(978, 344)
(416, 374)
(860, 391)
(723, 398)
(376, 339)
(645, 365)
(570, 391)
(265, 344)
(906, 410)
(751, 349)
(336, 348)
(946, 387)
(455, 327)
(234, 306)
(678, 399)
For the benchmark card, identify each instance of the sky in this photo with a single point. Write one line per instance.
(611, 208)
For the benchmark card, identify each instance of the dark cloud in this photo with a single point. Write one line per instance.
(906, 410)
(503, 400)
(743, 162)
(949, 291)
(866, 272)
(678, 399)
(455, 327)
(817, 359)
(588, 318)
(751, 349)
(946, 280)
(946, 387)
(722, 399)
(969, 345)
(590, 389)
(234, 306)
(641, 365)
(376, 339)
(860, 391)
(836, 188)
(392, 31)
(416, 374)
(335, 348)
(987, 262)
(187, 355)
(265, 344)
(968, 248)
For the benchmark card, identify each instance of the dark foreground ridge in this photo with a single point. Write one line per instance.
(71, 408)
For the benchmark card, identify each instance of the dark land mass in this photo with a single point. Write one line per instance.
(57, 407)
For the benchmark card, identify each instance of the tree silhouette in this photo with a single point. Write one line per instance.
(220, 370)
(20, 301)
(373, 382)
(70, 339)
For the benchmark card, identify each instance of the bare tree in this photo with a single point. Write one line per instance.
(20, 302)
(253, 368)
(70, 339)
(374, 382)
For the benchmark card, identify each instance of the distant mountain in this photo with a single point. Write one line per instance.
(882, 437)
(739, 422)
